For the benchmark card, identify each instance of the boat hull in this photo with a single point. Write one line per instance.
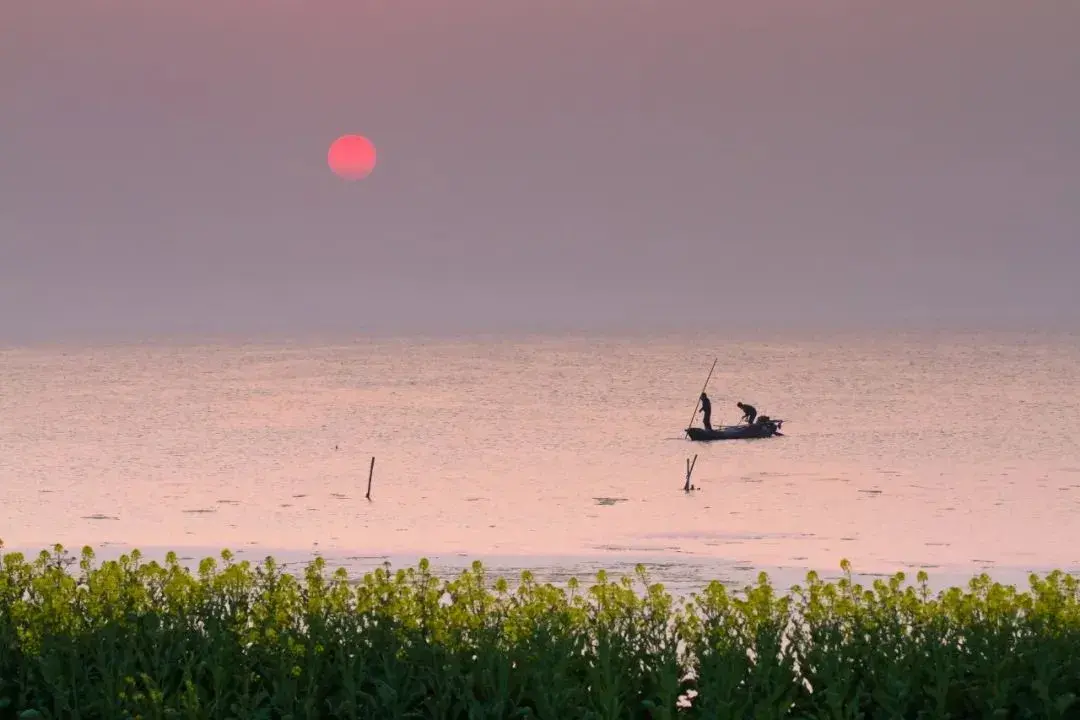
(736, 432)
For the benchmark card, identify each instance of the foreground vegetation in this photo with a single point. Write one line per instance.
(134, 639)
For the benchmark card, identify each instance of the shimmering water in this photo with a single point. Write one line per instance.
(958, 453)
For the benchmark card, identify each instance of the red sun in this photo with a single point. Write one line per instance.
(351, 157)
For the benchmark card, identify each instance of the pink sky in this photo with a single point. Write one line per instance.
(542, 164)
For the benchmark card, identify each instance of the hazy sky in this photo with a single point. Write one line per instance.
(543, 164)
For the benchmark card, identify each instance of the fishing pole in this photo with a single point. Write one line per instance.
(697, 402)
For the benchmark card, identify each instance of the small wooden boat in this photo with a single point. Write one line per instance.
(763, 427)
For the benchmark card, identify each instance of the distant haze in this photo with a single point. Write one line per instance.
(543, 164)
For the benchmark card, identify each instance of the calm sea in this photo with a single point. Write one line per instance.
(954, 453)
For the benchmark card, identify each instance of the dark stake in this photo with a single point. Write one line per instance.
(689, 469)
(371, 471)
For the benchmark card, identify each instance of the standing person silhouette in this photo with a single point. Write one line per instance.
(706, 409)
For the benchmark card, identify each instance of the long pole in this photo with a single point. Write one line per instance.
(697, 403)
(371, 471)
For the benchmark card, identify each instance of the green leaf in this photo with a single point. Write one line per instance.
(1064, 702)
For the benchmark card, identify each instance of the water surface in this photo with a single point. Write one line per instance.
(957, 453)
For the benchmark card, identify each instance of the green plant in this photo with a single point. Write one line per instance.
(137, 639)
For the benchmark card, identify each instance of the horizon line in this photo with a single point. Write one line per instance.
(363, 336)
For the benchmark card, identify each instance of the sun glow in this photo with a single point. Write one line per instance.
(351, 157)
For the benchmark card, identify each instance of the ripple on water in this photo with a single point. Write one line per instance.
(630, 548)
(726, 536)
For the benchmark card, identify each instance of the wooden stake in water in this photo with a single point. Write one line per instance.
(689, 469)
(371, 471)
